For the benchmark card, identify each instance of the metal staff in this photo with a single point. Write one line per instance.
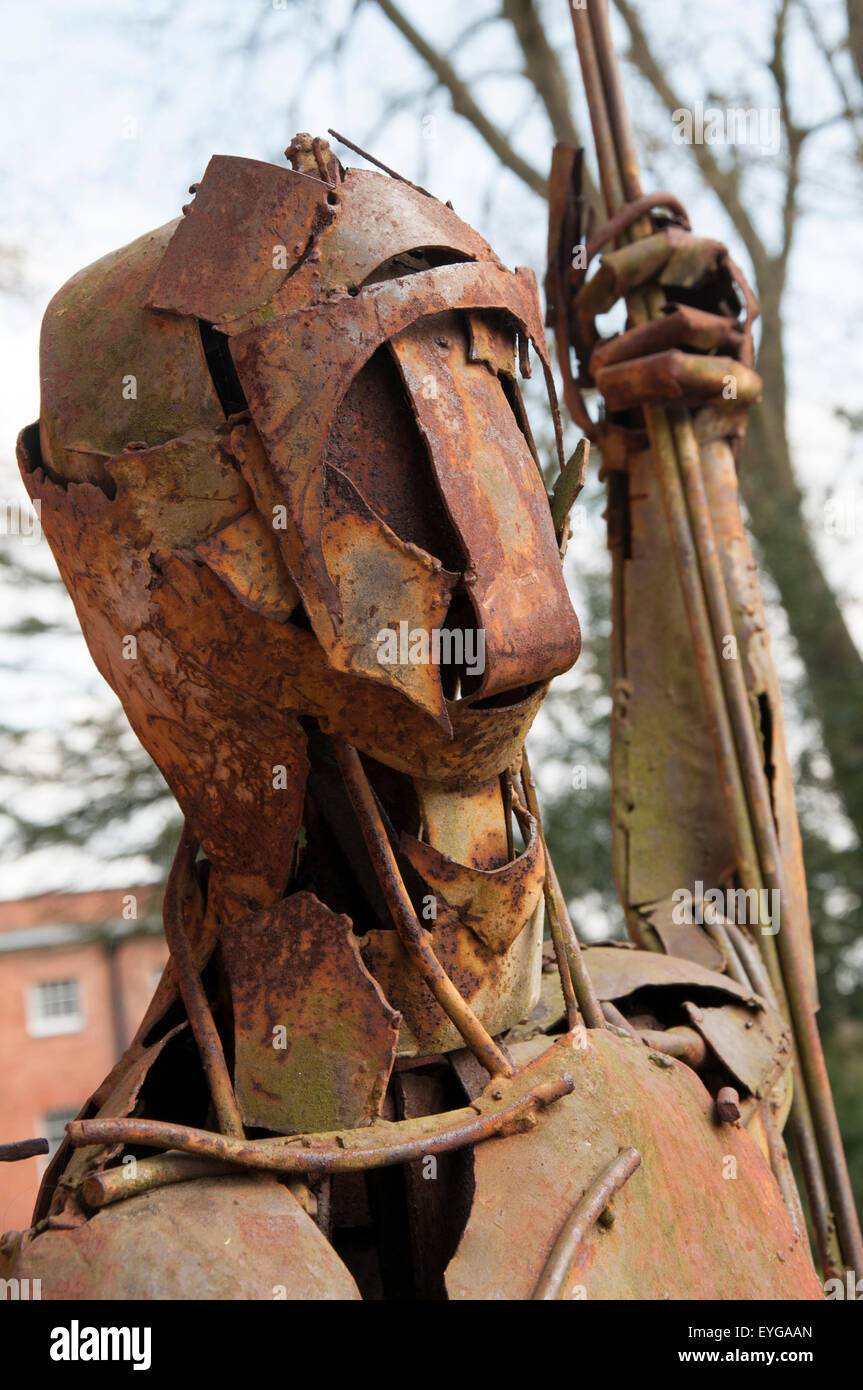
(744, 784)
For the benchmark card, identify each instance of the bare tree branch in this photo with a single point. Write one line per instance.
(546, 74)
(848, 112)
(795, 137)
(463, 102)
(542, 68)
(724, 182)
(854, 9)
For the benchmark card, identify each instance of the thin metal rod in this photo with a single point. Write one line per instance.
(559, 920)
(615, 100)
(680, 1042)
(778, 1155)
(413, 938)
(603, 139)
(573, 1019)
(192, 991)
(379, 1145)
(585, 993)
(771, 985)
(830, 1256)
(585, 1214)
(378, 163)
(23, 1148)
(115, 1184)
(563, 970)
(718, 933)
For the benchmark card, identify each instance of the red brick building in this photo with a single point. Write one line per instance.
(76, 973)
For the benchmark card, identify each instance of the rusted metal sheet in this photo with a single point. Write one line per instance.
(111, 372)
(747, 1036)
(294, 412)
(375, 442)
(681, 325)
(378, 219)
(494, 903)
(755, 1047)
(224, 1238)
(501, 987)
(527, 1185)
(618, 973)
(176, 494)
(382, 583)
(676, 260)
(665, 830)
(492, 341)
(680, 938)
(220, 764)
(498, 506)
(469, 824)
(245, 555)
(314, 1037)
(281, 668)
(678, 378)
(224, 263)
(244, 234)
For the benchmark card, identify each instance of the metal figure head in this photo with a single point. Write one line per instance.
(286, 472)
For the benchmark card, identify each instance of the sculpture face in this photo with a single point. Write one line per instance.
(286, 472)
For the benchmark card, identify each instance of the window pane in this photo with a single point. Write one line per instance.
(57, 998)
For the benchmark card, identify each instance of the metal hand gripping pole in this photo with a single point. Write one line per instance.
(678, 463)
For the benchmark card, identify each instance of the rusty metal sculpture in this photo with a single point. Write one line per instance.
(677, 386)
(289, 480)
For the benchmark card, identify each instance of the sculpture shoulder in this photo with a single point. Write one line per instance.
(240, 1238)
(701, 1217)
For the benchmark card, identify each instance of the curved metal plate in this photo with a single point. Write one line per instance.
(617, 972)
(229, 1238)
(494, 903)
(315, 1039)
(713, 1236)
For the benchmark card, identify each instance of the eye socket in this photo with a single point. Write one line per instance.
(413, 262)
(375, 441)
(220, 365)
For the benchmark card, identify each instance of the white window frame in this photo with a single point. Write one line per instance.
(41, 1129)
(42, 1025)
